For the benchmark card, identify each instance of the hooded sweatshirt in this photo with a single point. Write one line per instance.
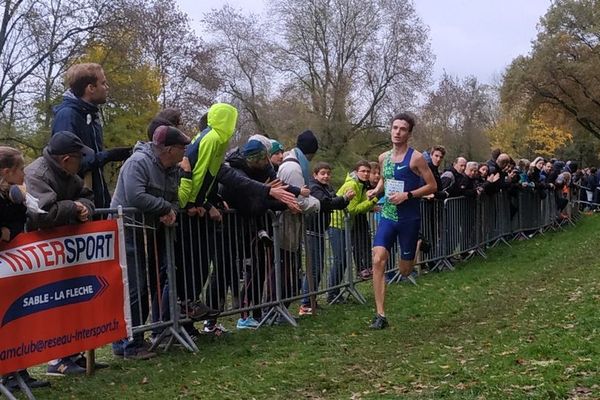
(145, 184)
(206, 154)
(360, 204)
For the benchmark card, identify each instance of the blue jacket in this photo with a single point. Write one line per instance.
(83, 119)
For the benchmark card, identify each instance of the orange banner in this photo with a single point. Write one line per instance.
(62, 292)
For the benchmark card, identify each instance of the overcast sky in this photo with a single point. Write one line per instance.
(468, 37)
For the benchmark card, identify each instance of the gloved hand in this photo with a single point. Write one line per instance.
(118, 154)
(16, 194)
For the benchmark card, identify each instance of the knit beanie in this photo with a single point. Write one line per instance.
(276, 147)
(307, 142)
(253, 149)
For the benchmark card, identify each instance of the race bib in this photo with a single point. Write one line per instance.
(393, 186)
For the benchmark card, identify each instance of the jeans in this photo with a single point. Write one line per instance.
(146, 273)
(337, 237)
(316, 246)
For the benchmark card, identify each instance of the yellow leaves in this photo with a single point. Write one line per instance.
(539, 136)
(544, 139)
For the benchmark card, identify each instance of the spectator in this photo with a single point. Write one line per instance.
(148, 182)
(167, 117)
(483, 172)
(201, 165)
(13, 215)
(546, 172)
(358, 182)
(276, 152)
(361, 231)
(492, 164)
(317, 225)
(250, 226)
(53, 180)
(79, 114)
(453, 179)
(437, 154)
(535, 176)
(469, 186)
(295, 170)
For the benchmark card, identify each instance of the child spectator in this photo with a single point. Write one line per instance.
(13, 215)
(358, 181)
(317, 224)
(276, 153)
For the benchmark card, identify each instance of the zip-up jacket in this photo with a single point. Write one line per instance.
(82, 118)
(206, 154)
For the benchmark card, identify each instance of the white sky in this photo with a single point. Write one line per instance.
(468, 37)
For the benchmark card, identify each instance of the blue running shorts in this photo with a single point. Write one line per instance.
(406, 232)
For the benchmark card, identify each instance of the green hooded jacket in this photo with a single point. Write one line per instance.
(206, 154)
(360, 204)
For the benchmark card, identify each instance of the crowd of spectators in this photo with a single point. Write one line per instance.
(168, 176)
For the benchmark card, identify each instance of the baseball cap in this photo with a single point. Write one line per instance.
(65, 142)
(169, 136)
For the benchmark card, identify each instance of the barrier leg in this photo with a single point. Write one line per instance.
(22, 385)
(350, 289)
(176, 331)
(279, 311)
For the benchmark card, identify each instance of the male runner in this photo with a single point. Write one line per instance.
(403, 170)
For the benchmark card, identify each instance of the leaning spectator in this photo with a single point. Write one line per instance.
(295, 170)
(251, 229)
(53, 180)
(148, 182)
(13, 215)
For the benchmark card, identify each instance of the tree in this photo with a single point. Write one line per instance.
(349, 60)
(456, 114)
(562, 70)
(34, 33)
(246, 58)
(186, 66)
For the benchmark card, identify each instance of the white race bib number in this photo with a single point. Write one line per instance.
(393, 186)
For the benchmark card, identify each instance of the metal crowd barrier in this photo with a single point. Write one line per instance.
(258, 266)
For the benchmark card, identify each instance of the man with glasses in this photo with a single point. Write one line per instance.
(148, 182)
(358, 182)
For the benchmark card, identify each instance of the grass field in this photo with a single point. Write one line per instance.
(523, 324)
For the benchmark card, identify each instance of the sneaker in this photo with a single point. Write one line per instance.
(11, 383)
(118, 348)
(305, 310)
(65, 366)
(364, 274)
(215, 330)
(379, 322)
(81, 361)
(31, 381)
(247, 323)
(264, 237)
(197, 311)
(281, 320)
(138, 353)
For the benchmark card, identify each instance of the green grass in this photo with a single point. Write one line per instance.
(522, 324)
